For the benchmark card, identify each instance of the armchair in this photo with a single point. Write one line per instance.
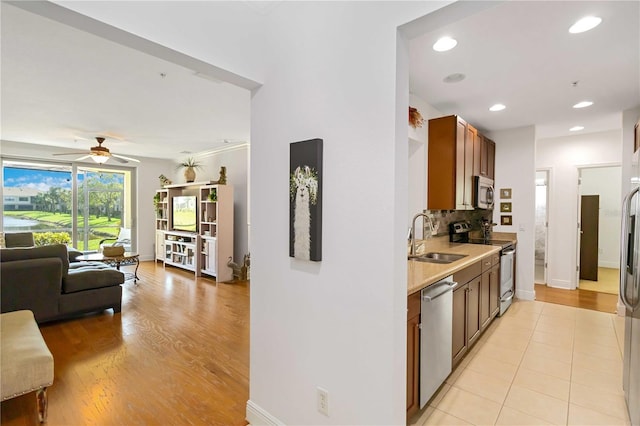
(123, 239)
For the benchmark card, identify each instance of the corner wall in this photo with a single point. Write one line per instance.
(515, 169)
(564, 156)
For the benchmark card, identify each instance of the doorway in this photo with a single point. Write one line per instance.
(599, 215)
(542, 226)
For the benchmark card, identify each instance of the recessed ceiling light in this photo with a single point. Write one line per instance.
(576, 128)
(583, 104)
(585, 24)
(444, 43)
(454, 78)
(497, 107)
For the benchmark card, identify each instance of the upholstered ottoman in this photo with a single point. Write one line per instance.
(25, 360)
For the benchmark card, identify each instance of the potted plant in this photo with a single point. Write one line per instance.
(156, 204)
(190, 165)
(213, 195)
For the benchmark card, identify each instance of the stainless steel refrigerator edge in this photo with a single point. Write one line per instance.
(630, 290)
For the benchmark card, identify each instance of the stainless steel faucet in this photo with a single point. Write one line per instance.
(426, 219)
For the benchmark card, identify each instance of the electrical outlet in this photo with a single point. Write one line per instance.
(323, 401)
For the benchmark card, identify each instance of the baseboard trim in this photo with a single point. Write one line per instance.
(611, 265)
(256, 415)
(526, 294)
(563, 284)
(621, 308)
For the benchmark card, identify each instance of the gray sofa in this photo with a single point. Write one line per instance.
(42, 280)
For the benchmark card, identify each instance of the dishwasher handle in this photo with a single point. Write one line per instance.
(438, 290)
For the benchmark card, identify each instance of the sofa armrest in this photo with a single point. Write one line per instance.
(73, 253)
(33, 284)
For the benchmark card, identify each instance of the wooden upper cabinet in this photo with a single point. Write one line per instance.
(487, 153)
(491, 159)
(450, 164)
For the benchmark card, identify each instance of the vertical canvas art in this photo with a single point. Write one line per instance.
(305, 200)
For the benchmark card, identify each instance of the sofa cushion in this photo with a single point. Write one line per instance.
(90, 275)
(19, 239)
(25, 253)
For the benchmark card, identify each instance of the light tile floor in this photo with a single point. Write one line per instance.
(539, 364)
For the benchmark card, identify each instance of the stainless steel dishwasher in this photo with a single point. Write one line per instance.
(436, 318)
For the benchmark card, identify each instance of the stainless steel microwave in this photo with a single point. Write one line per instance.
(483, 192)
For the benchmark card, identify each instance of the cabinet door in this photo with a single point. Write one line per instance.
(211, 256)
(459, 323)
(473, 308)
(485, 295)
(467, 184)
(494, 290)
(413, 365)
(484, 157)
(491, 159)
(478, 151)
(159, 245)
(461, 137)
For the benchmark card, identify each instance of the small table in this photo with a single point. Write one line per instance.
(127, 258)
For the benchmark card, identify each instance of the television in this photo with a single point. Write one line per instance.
(185, 213)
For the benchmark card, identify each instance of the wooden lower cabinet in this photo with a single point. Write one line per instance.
(485, 299)
(459, 338)
(413, 354)
(473, 311)
(494, 290)
(475, 303)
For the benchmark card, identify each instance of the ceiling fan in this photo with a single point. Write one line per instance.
(100, 154)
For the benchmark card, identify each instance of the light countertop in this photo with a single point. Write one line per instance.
(423, 274)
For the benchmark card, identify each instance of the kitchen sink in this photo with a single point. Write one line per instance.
(435, 257)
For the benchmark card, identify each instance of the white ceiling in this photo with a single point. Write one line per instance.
(62, 86)
(521, 54)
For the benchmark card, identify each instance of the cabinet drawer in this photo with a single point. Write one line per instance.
(468, 273)
(487, 263)
(495, 259)
(413, 305)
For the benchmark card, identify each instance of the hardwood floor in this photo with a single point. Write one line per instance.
(178, 353)
(586, 299)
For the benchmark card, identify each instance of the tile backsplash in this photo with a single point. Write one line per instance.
(442, 218)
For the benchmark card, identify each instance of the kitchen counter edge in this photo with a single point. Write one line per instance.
(423, 274)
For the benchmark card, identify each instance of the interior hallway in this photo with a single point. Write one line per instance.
(608, 281)
(541, 363)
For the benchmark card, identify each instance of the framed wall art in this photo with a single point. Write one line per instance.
(305, 200)
(506, 220)
(505, 193)
(505, 207)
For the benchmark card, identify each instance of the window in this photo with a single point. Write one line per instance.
(76, 205)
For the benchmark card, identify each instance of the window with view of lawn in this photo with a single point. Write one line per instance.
(69, 204)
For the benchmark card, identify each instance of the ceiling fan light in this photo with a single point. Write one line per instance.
(100, 159)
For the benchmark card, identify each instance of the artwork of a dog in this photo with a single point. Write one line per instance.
(303, 187)
(305, 200)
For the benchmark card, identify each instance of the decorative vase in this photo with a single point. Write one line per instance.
(189, 174)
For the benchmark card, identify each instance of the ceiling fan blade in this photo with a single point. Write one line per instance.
(72, 153)
(118, 157)
(83, 158)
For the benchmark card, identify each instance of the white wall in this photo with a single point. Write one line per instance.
(563, 156)
(418, 149)
(237, 163)
(605, 182)
(339, 324)
(515, 169)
